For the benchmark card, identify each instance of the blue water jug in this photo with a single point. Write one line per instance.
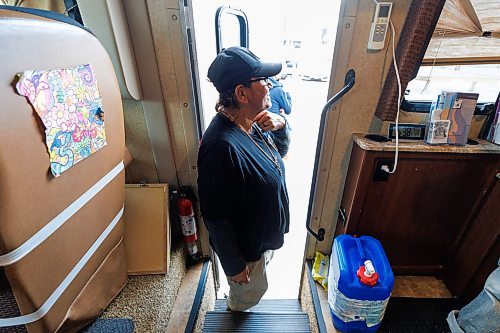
(360, 282)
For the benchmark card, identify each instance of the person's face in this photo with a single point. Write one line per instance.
(258, 96)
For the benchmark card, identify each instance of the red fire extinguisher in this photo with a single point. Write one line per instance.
(188, 223)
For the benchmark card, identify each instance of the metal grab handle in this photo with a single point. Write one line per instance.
(349, 81)
(342, 216)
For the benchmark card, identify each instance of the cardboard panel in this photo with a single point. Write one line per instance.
(31, 199)
(147, 228)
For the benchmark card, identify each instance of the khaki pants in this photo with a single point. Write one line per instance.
(243, 297)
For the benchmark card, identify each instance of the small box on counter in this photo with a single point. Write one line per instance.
(494, 132)
(437, 132)
(450, 118)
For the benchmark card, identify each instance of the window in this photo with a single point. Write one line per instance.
(431, 80)
(231, 28)
(463, 55)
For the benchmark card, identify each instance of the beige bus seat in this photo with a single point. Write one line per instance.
(62, 258)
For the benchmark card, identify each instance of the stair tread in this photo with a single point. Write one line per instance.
(225, 321)
(267, 305)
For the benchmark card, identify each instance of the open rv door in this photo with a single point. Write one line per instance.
(274, 36)
(230, 29)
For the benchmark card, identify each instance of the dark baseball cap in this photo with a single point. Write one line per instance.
(235, 65)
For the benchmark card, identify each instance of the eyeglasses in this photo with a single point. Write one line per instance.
(263, 80)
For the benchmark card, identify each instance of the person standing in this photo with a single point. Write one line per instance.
(281, 99)
(281, 103)
(241, 176)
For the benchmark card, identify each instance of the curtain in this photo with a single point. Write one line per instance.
(457, 19)
(468, 31)
(488, 12)
(416, 33)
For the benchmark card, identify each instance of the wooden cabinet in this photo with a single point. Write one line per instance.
(477, 253)
(427, 209)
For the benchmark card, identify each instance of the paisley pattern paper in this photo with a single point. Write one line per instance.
(69, 104)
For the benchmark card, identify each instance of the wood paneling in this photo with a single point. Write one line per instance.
(422, 211)
(469, 266)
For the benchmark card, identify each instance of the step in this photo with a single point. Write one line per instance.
(225, 321)
(267, 305)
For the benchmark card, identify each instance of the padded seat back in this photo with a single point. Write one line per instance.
(62, 258)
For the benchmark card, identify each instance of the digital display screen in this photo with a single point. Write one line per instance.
(383, 11)
(408, 132)
(415, 132)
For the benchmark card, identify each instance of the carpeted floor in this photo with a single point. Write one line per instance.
(148, 299)
(422, 315)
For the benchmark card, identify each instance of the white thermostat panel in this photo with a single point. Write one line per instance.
(380, 25)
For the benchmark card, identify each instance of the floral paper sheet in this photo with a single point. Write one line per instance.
(69, 104)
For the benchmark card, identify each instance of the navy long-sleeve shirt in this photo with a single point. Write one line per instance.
(243, 196)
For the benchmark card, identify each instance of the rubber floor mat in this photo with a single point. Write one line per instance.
(8, 305)
(218, 322)
(422, 315)
(266, 305)
(110, 325)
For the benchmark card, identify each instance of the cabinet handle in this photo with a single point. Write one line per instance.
(342, 216)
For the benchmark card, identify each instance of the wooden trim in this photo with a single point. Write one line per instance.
(461, 61)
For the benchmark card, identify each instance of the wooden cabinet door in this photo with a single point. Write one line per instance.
(477, 252)
(419, 212)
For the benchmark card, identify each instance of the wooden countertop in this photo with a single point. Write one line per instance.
(484, 147)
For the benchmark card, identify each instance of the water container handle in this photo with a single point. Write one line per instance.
(366, 272)
(360, 250)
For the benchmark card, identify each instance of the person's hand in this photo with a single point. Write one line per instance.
(242, 277)
(269, 121)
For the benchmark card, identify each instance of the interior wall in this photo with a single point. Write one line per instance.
(165, 20)
(142, 168)
(147, 124)
(170, 44)
(123, 28)
(355, 112)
